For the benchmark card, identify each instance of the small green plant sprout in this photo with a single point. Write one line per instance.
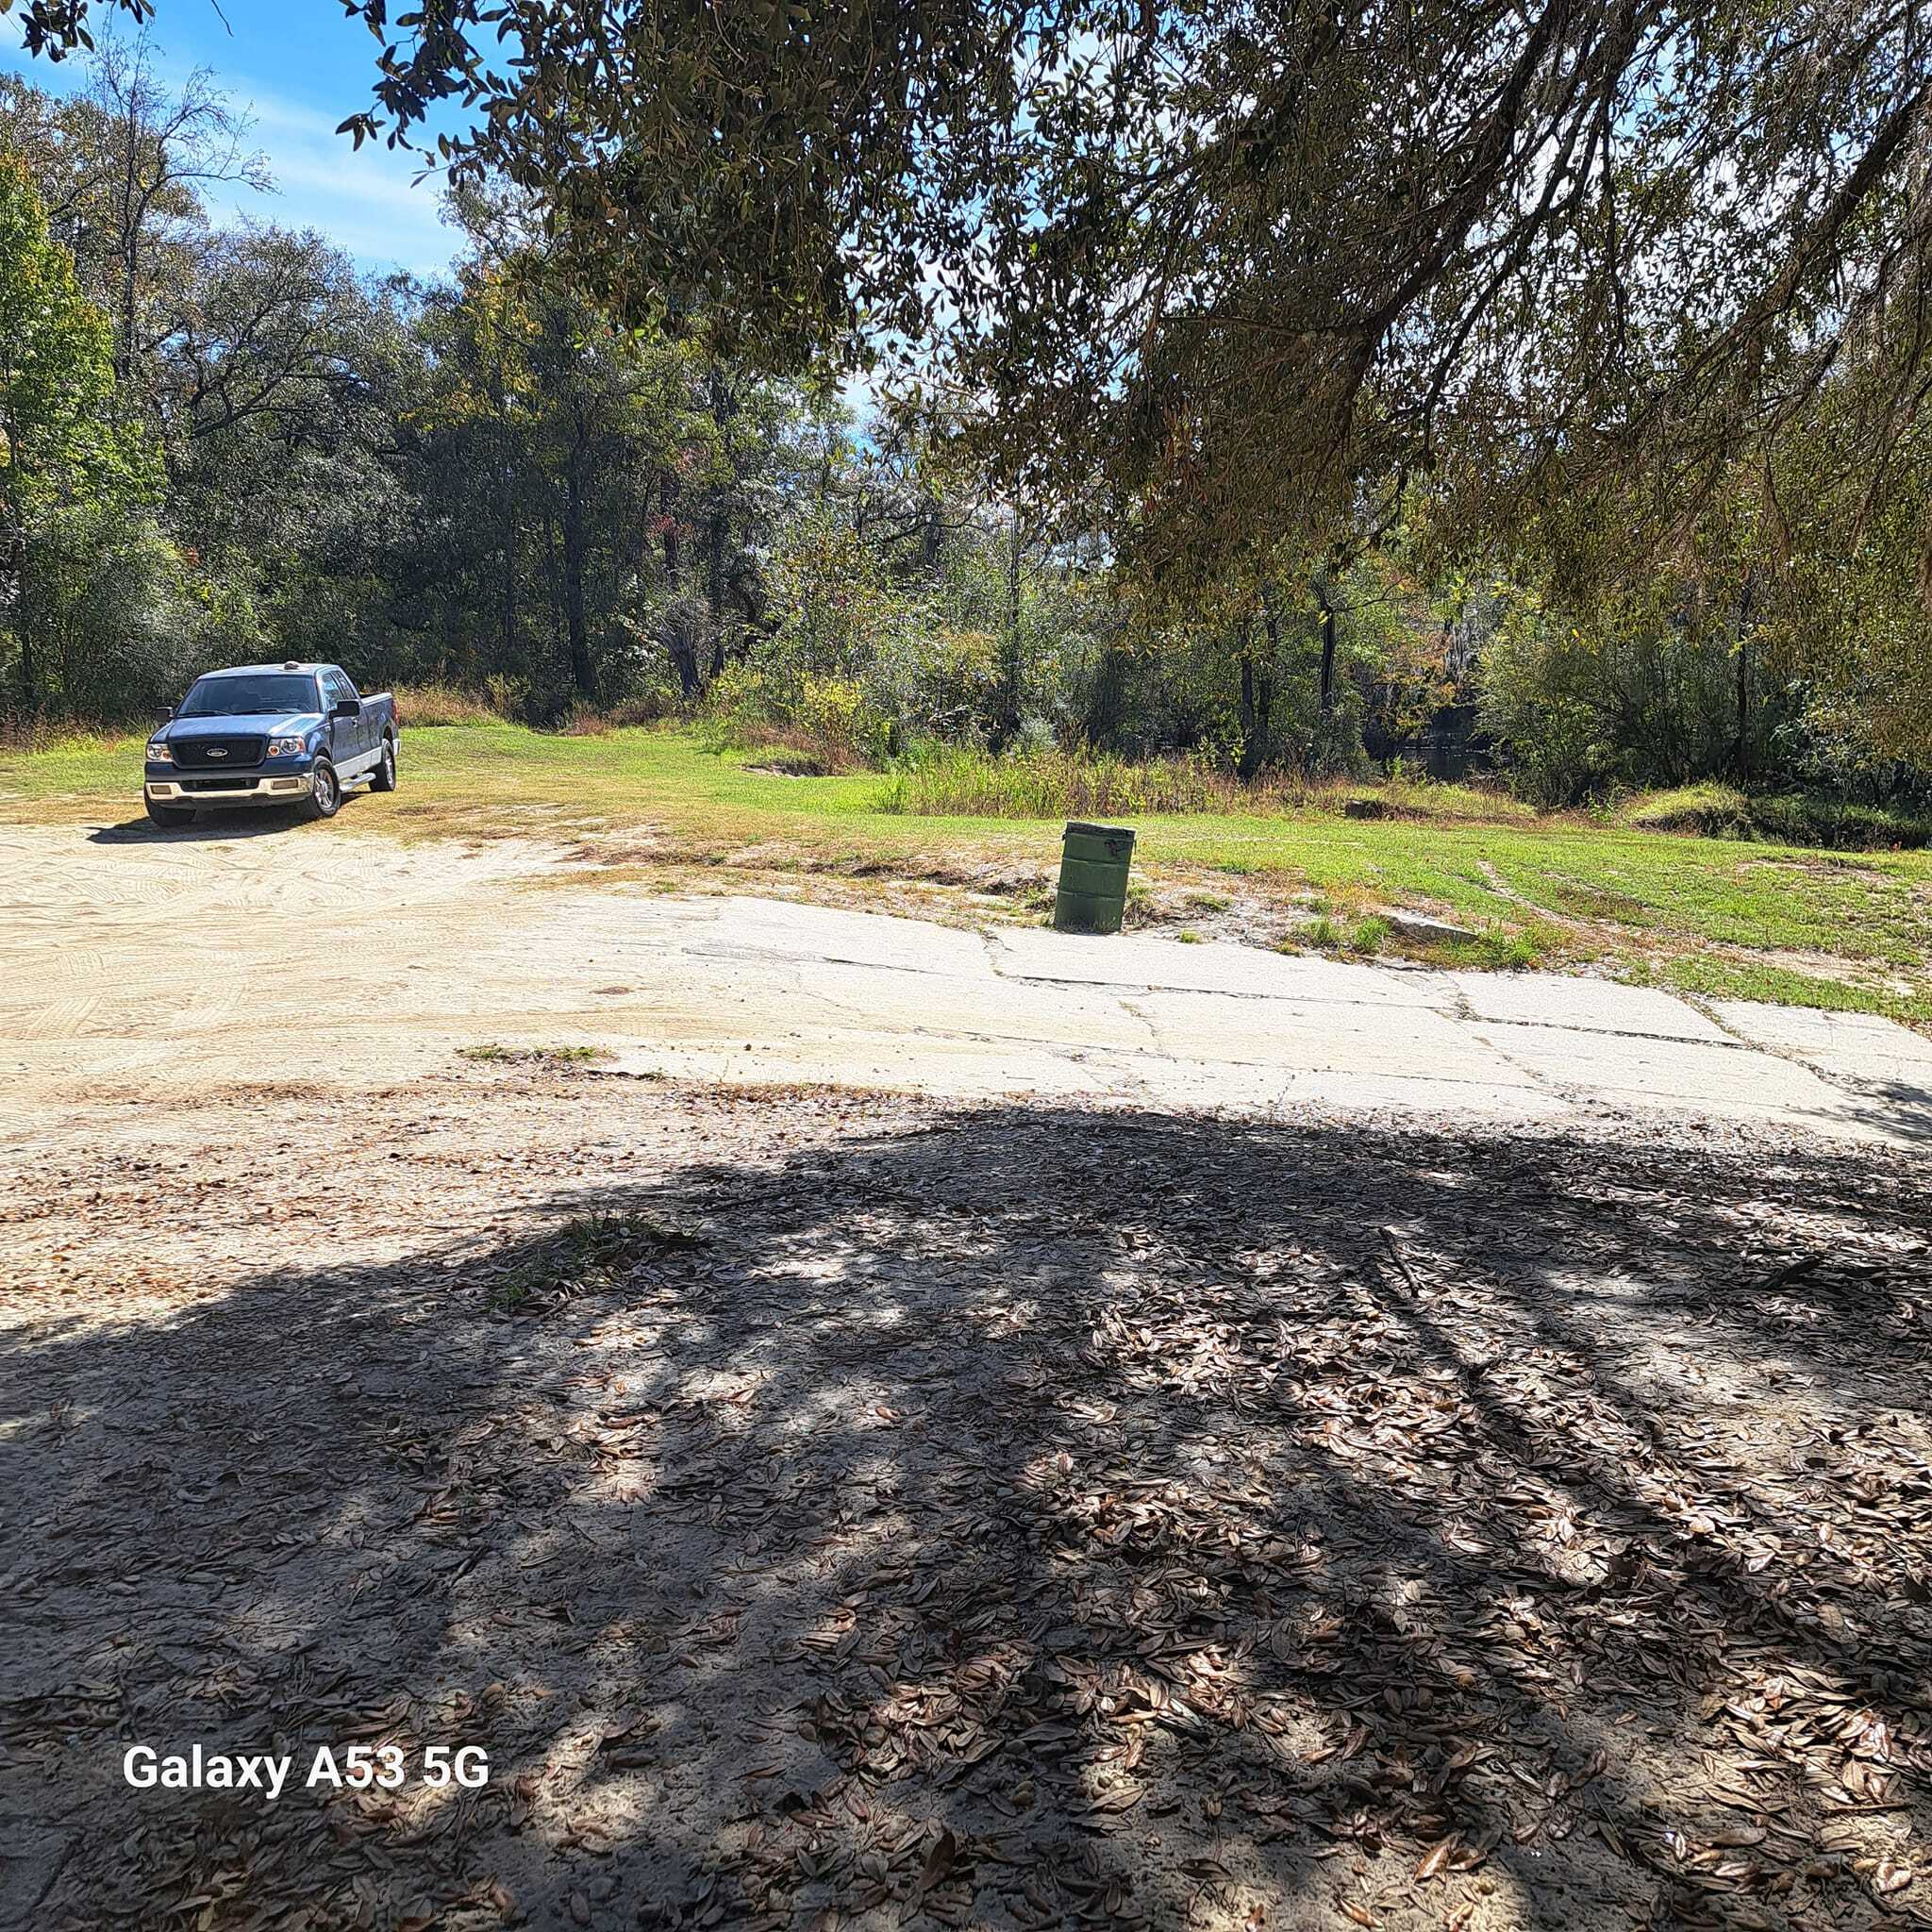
(494, 1052)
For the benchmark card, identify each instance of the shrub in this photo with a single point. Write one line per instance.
(739, 707)
(120, 627)
(1722, 811)
(1799, 819)
(826, 721)
(1633, 703)
(835, 720)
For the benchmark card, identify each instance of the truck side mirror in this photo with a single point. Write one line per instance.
(347, 707)
(164, 716)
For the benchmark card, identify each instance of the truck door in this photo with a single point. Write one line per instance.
(342, 737)
(345, 735)
(365, 724)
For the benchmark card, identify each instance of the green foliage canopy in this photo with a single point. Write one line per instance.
(63, 448)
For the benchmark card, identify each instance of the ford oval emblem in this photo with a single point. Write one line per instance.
(214, 751)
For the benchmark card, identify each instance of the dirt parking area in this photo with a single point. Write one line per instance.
(839, 1509)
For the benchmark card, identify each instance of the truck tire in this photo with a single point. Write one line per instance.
(170, 817)
(325, 794)
(385, 779)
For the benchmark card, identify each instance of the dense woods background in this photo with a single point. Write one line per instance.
(223, 443)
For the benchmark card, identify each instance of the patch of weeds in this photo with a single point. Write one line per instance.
(588, 1253)
(1367, 937)
(1187, 939)
(1323, 933)
(1497, 949)
(493, 1053)
(1208, 902)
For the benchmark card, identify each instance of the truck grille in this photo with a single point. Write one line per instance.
(235, 753)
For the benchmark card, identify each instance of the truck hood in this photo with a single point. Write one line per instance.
(245, 724)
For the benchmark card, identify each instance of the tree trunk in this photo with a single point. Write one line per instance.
(1005, 724)
(575, 546)
(130, 249)
(716, 529)
(1740, 755)
(23, 606)
(510, 567)
(677, 642)
(553, 575)
(1107, 702)
(1258, 706)
(1327, 680)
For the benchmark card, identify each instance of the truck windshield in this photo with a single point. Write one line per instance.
(232, 697)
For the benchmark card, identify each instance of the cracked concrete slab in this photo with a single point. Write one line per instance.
(1325, 1037)
(128, 960)
(1865, 1046)
(891, 997)
(786, 928)
(1542, 999)
(1725, 1079)
(1142, 960)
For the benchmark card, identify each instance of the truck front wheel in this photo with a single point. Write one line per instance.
(325, 793)
(385, 779)
(170, 817)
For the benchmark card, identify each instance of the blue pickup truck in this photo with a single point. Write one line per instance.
(270, 734)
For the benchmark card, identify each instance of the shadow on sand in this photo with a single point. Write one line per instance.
(1037, 1517)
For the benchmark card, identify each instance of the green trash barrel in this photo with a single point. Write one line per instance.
(1093, 879)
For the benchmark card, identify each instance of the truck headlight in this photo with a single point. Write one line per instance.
(157, 752)
(287, 747)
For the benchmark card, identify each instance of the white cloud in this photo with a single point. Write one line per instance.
(368, 202)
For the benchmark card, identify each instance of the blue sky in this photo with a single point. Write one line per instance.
(297, 67)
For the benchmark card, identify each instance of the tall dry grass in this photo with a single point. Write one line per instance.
(22, 733)
(952, 782)
(426, 706)
(422, 705)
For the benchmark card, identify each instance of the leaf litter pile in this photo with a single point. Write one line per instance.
(830, 1510)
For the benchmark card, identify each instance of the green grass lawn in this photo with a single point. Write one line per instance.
(1713, 917)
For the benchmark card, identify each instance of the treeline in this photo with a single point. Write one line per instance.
(223, 443)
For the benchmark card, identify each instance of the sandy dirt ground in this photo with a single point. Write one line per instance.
(841, 1509)
(847, 1507)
